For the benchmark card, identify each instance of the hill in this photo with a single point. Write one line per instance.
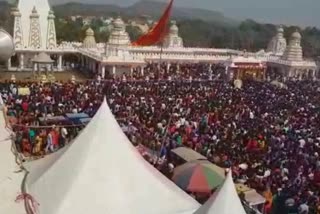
(156, 8)
(71, 9)
(153, 9)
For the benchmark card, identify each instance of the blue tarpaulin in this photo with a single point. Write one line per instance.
(84, 120)
(77, 116)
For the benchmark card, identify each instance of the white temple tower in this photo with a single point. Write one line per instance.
(173, 40)
(18, 30)
(51, 31)
(89, 41)
(119, 36)
(294, 50)
(27, 13)
(35, 32)
(278, 43)
(118, 40)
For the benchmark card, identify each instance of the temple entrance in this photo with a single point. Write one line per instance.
(246, 68)
(245, 73)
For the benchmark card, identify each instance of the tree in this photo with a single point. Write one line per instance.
(134, 32)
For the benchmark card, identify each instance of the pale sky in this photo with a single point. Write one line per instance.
(295, 12)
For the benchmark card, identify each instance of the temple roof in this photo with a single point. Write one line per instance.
(296, 35)
(42, 58)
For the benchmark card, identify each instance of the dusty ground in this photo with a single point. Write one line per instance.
(27, 76)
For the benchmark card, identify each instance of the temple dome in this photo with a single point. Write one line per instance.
(118, 23)
(296, 35)
(280, 29)
(89, 32)
(51, 15)
(174, 28)
(89, 41)
(34, 13)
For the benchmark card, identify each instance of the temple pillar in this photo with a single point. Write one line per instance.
(168, 66)
(82, 61)
(94, 66)
(21, 62)
(300, 74)
(178, 67)
(114, 70)
(103, 71)
(60, 62)
(142, 71)
(35, 66)
(131, 71)
(87, 63)
(9, 64)
(314, 74)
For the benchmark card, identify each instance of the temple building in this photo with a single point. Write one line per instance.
(34, 33)
(278, 43)
(292, 64)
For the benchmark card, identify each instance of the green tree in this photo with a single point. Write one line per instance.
(134, 32)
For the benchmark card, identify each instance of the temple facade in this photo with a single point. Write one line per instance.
(34, 32)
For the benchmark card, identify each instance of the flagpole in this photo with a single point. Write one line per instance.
(161, 52)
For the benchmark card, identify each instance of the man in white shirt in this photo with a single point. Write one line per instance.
(64, 135)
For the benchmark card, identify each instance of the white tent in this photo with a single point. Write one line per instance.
(102, 172)
(1, 102)
(224, 201)
(10, 177)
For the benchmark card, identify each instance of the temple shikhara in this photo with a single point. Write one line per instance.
(34, 33)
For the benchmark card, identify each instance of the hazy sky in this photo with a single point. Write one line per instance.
(295, 12)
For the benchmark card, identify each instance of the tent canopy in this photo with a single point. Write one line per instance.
(10, 179)
(102, 172)
(223, 201)
(188, 154)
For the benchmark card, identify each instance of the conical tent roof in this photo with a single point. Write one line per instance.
(10, 178)
(102, 172)
(224, 201)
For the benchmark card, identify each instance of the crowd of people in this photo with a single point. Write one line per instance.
(173, 72)
(269, 137)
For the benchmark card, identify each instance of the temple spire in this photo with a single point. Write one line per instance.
(34, 32)
(51, 32)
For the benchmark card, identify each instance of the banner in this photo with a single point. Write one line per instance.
(24, 91)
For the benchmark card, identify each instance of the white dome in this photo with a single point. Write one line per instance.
(174, 28)
(280, 29)
(89, 32)
(296, 35)
(118, 23)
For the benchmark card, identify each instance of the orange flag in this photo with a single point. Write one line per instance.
(158, 32)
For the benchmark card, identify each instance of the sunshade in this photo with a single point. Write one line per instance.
(198, 176)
